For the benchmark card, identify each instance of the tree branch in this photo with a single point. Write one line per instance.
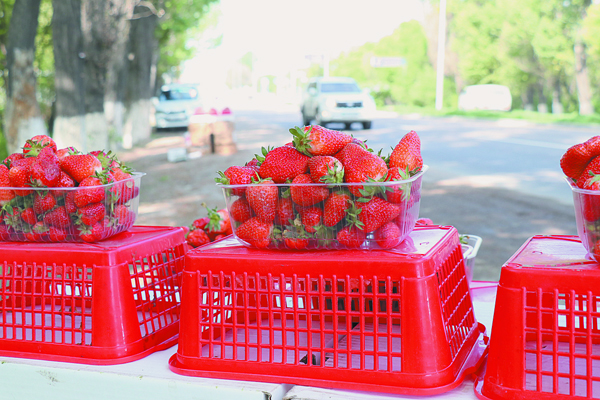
(151, 10)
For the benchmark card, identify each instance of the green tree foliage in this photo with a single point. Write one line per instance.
(411, 84)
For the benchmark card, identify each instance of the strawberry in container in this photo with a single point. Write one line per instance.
(581, 165)
(325, 190)
(63, 195)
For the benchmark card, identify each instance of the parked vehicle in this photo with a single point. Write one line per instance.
(485, 97)
(175, 105)
(336, 99)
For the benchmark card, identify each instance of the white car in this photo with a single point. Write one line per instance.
(175, 105)
(485, 97)
(336, 99)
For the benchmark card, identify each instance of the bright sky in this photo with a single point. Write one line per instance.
(280, 33)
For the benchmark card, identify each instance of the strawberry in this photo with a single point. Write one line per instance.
(56, 234)
(399, 192)
(43, 202)
(388, 235)
(91, 213)
(94, 233)
(361, 165)
(57, 217)
(351, 236)
(311, 218)
(20, 175)
(237, 176)
(37, 232)
(6, 195)
(219, 222)
(424, 221)
(34, 145)
(13, 157)
(5, 232)
(124, 215)
(240, 210)
(590, 202)
(316, 140)
(90, 190)
(262, 198)
(407, 153)
(326, 169)
(574, 160)
(593, 168)
(70, 202)
(253, 163)
(282, 164)
(80, 166)
(200, 223)
(285, 211)
(256, 232)
(296, 243)
(307, 195)
(64, 181)
(335, 207)
(197, 237)
(62, 153)
(376, 212)
(28, 215)
(45, 171)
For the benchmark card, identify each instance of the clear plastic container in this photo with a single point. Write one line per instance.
(471, 244)
(400, 198)
(62, 215)
(587, 217)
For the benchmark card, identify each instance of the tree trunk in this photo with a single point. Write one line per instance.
(69, 123)
(121, 13)
(140, 77)
(22, 118)
(584, 90)
(557, 107)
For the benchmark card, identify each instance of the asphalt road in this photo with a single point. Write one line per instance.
(499, 180)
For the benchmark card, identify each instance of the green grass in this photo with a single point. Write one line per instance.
(567, 118)
(3, 151)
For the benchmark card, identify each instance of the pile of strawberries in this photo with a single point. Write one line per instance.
(63, 195)
(325, 190)
(208, 229)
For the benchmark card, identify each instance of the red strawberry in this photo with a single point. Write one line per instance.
(407, 153)
(398, 192)
(376, 212)
(361, 165)
(56, 234)
(45, 171)
(335, 207)
(197, 237)
(237, 176)
(593, 168)
(262, 198)
(14, 156)
(57, 217)
(37, 232)
(240, 210)
(388, 235)
(590, 202)
(5, 232)
(80, 166)
(326, 169)
(124, 215)
(70, 202)
(65, 181)
(35, 144)
(28, 215)
(253, 163)
(311, 218)
(90, 191)
(200, 223)
(20, 175)
(256, 232)
(62, 153)
(285, 211)
(296, 243)
(94, 233)
(351, 236)
(282, 164)
(6, 195)
(307, 195)
(219, 222)
(316, 140)
(574, 161)
(43, 202)
(91, 213)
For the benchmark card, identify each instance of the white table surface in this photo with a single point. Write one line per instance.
(483, 296)
(150, 377)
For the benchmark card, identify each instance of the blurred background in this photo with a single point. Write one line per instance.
(496, 89)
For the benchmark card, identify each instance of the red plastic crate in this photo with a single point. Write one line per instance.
(109, 302)
(398, 321)
(545, 341)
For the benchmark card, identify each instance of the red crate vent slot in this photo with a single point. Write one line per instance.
(109, 302)
(398, 321)
(545, 341)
